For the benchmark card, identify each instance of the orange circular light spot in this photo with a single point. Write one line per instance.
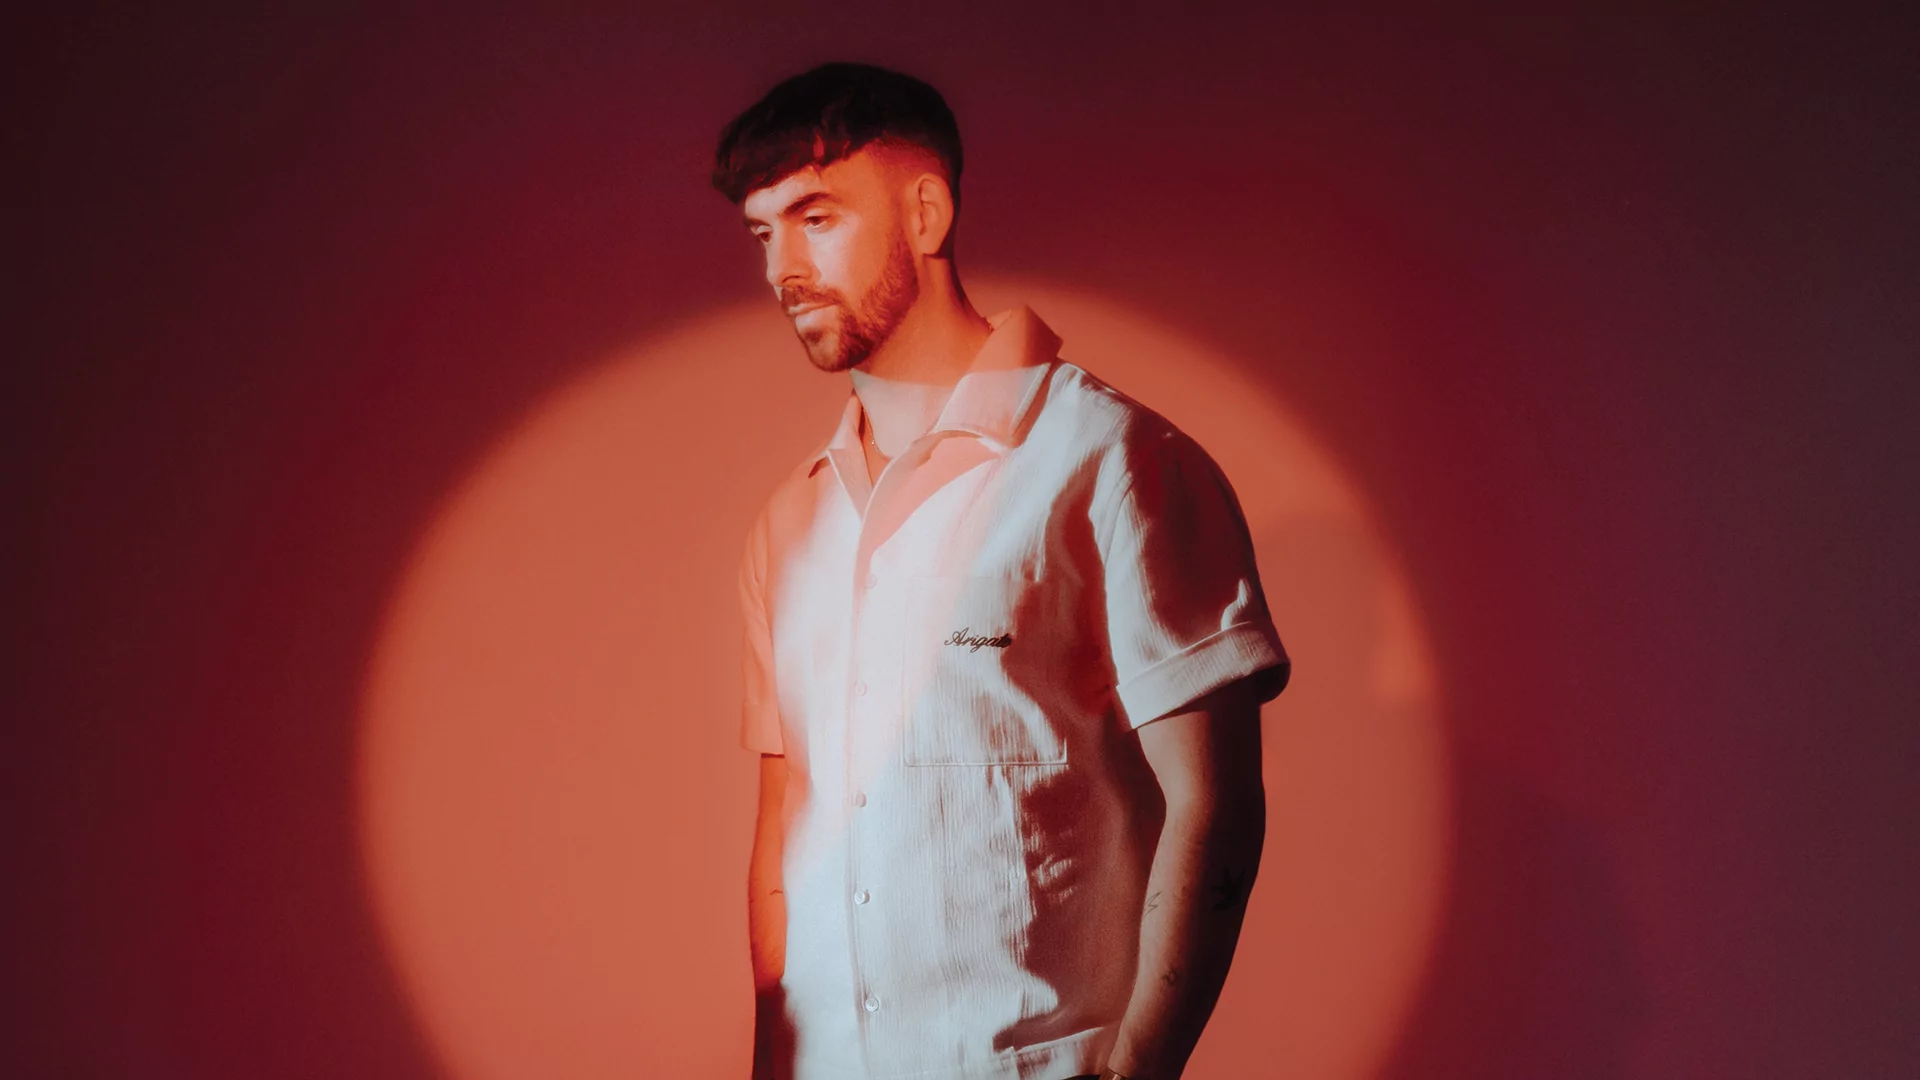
(557, 814)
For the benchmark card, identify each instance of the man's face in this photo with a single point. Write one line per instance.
(837, 257)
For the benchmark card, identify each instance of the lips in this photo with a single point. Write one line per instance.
(796, 312)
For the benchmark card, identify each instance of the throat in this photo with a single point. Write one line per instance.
(897, 412)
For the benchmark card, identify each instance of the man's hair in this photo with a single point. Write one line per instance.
(826, 114)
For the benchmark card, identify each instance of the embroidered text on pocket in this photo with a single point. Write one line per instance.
(961, 705)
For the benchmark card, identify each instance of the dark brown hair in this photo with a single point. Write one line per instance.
(826, 114)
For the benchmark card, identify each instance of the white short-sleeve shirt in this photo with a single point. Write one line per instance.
(955, 660)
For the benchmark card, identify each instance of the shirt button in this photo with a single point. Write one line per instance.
(861, 897)
(860, 688)
(873, 1004)
(859, 798)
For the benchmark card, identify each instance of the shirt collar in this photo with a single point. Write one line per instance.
(992, 399)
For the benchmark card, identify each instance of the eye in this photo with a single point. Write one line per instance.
(816, 219)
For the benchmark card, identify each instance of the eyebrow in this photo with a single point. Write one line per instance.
(793, 207)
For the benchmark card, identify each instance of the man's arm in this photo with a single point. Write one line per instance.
(1207, 759)
(767, 926)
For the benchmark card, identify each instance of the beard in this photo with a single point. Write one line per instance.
(847, 334)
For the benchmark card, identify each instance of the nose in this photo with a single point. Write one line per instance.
(787, 264)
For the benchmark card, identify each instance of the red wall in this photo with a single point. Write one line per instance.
(1613, 319)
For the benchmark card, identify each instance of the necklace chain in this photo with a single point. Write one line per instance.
(866, 422)
(866, 427)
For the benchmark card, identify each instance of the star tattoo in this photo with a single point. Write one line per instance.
(1231, 890)
(1171, 977)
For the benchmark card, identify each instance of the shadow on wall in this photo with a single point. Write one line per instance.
(1339, 925)
(1533, 972)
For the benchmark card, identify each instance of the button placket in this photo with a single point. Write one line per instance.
(859, 706)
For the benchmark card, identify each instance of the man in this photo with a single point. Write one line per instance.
(1002, 617)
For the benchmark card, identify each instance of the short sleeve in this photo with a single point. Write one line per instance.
(1185, 611)
(760, 705)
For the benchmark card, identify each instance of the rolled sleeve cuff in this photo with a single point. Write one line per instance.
(1208, 664)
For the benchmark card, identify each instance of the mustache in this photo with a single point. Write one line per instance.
(792, 299)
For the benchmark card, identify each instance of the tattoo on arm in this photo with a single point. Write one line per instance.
(1231, 891)
(1172, 977)
(1153, 901)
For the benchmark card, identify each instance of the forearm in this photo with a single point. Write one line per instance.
(767, 935)
(766, 914)
(1197, 889)
(767, 943)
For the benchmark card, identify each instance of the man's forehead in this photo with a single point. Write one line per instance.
(856, 178)
(832, 179)
(798, 182)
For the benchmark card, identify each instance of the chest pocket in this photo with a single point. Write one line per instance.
(965, 666)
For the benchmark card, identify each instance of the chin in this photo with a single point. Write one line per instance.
(827, 351)
(829, 360)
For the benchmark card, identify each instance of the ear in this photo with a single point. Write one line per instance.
(930, 214)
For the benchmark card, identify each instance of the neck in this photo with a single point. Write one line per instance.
(907, 380)
(897, 412)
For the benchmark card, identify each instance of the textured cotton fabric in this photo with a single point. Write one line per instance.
(954, 660)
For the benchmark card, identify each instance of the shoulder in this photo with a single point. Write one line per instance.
(1128, 438)
(790, 494)
(791, 507)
